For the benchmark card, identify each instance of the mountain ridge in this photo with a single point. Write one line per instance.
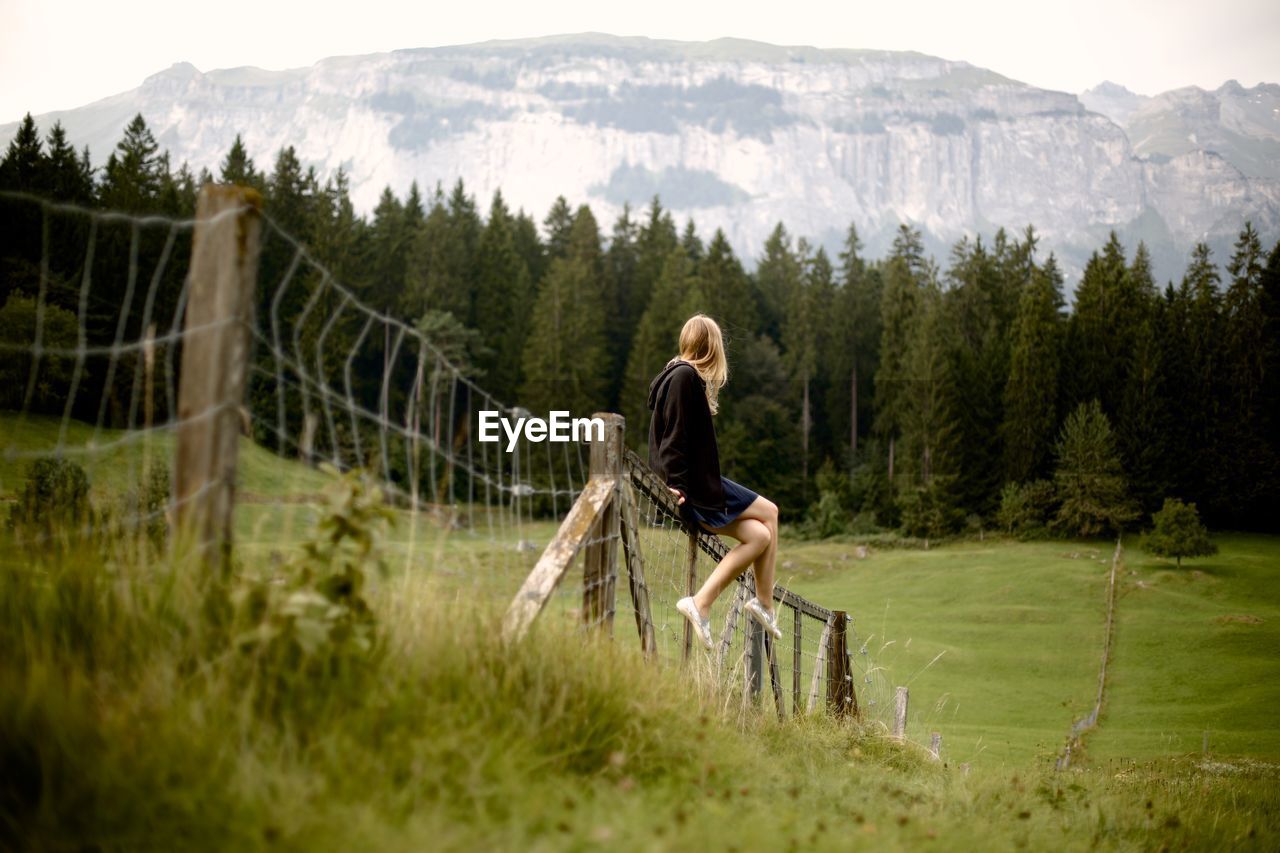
(739, 135)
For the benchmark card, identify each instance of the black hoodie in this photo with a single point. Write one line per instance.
(682, 438)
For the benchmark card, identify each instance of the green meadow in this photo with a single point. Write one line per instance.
(131, 717)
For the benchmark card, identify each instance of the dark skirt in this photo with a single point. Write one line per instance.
(736, 500)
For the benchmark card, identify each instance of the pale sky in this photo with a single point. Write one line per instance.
(58, 54)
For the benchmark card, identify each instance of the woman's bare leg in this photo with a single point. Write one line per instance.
(754, 538)
(766, 512)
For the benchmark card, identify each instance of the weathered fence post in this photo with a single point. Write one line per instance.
(215, 362)
(935, 744)
(900, 713)
(751, 669)
(840, 697)
(797, 658)
(691, 586)
(600, 557)
(630, 522)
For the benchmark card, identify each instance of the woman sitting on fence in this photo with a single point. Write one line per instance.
(682, 449)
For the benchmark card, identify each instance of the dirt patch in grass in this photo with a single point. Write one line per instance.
(1239, 618)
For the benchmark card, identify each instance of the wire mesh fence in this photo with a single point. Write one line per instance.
(105, 325)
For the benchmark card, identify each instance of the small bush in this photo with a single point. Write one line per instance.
(54, 502)
(1178, 533)
(317, 625)
(1026, 508)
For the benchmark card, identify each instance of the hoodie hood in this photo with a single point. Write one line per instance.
(660, 381)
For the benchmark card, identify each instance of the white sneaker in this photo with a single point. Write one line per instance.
(767, 620)
(701, 627)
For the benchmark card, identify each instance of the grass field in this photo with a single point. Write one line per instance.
(1197, 651)
(125, 722)
(1019, 627)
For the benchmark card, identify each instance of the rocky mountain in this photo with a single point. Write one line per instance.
(739, 135)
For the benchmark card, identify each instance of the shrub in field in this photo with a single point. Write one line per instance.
(1025, 508)
(54, 501)
(928, 511)
(1178, 532)
(318, 622)
(830, 515)
(18, 321)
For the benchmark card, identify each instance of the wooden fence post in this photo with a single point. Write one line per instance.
(797, 658)
(935, 744)
(751, 669)
(600, 557)
(215, 362)
(900, 713)
(840, 697)
(630, 522)
(691, 586)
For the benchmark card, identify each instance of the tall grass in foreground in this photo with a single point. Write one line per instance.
(142, 705)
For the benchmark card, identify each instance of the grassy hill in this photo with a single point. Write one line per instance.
(133, 714)
(1197, 651)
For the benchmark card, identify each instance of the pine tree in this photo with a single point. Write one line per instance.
(855, 334)
(558, 223)
(505, 298)
(1269, 392)
(434, 278)
(564, 366)
(1097, 337)
(1245, 466)
(67, 179)
(1031, 395)
(804, 337)
(656, 240)
(692, 244)
(23, 167)
(906, 275)
(237, 167)
(620, 277)
(657, 335)
(926, 414)
(1090, 481)
(979, 362)
(465, 227)
(777, 277)
(131, 181)
(727, 290)
(387, 263)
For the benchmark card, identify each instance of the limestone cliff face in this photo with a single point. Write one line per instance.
(737, 135)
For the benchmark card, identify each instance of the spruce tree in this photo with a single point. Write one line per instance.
(505, 298)
(656, 240)
(906, 274)
(558, 223)
(131, 180)
(434, 278)
(855, 335)
(24, 164)
(1090, 481)
(237, 167)
(564, 366)
(68, 178)
(778, 274)
(727, 290)
(1031, 394)
(1245, 465)
(657, 336)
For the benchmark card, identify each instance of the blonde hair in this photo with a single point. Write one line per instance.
(702, 345)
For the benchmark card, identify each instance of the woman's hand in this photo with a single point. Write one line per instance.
(679, 495)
